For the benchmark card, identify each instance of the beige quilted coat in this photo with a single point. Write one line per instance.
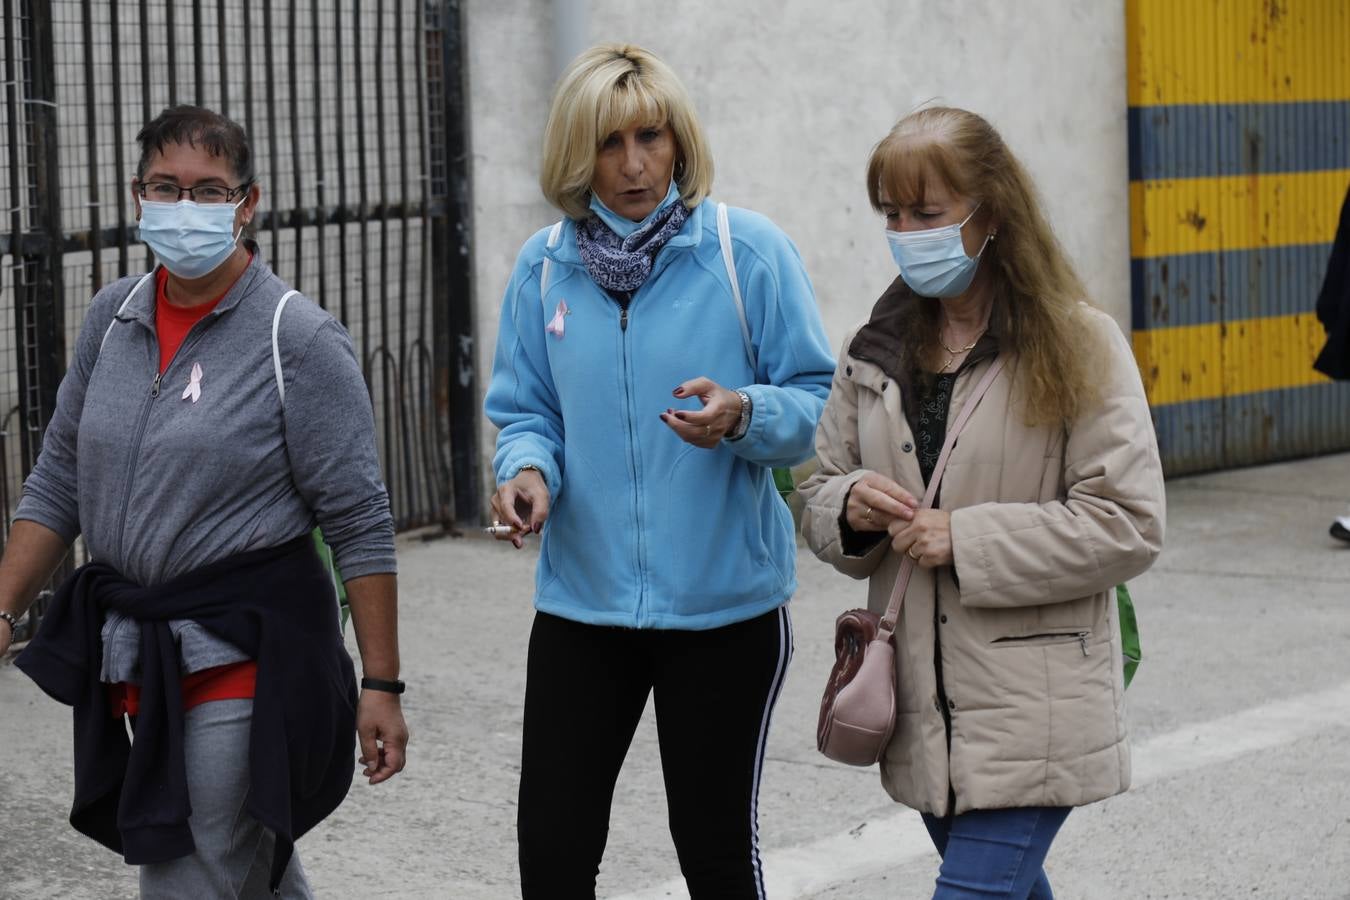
(1045, 521)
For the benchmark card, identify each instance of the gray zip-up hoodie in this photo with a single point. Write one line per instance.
(162, 479)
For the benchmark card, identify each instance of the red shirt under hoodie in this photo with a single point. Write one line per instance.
(234, 681)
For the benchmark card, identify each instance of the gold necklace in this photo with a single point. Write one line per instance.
(953, 352)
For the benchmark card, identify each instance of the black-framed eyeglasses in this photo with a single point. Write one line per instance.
(168, 192)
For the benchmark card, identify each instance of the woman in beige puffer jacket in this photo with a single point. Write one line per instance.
(1008, 657)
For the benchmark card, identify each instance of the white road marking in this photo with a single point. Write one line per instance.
(881, 844)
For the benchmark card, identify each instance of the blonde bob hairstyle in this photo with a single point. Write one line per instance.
(606, 89)
(1039, 310)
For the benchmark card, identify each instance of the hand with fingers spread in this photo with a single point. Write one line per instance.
(927, 539)
(521, 503)
(707, 426)
(875, 501)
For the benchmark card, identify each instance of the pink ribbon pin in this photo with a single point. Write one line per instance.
(555, 326)
(194, 388)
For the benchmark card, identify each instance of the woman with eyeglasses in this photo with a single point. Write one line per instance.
(210, 417)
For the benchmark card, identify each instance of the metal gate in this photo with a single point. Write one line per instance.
(1239, 127)
(356, 113)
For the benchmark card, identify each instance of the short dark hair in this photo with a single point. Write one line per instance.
(197, 126)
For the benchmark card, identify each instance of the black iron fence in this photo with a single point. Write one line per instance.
(356, 112)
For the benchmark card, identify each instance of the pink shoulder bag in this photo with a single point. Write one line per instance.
(857, 713)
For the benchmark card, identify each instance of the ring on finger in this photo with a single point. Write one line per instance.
(867, 514)
(912, 555)
(707, 431)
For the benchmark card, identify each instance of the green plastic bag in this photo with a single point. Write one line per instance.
(783, 481)
(339, 589)
(1129, 632)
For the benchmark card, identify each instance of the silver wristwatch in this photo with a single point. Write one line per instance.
(12, 619)
(743, 423)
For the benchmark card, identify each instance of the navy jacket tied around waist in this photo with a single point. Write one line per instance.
(275, 604)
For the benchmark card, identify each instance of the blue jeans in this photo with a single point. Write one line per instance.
(995, 852)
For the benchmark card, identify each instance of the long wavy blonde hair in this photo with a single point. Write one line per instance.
(1039, 302)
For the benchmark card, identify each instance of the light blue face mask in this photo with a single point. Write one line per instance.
(189, 239)
(933, 262)
(624, 227)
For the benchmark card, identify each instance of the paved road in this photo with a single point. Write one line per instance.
(1240, 718)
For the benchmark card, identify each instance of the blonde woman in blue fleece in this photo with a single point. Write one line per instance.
(640, 413)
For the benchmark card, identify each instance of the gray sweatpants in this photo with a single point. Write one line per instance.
(234, 851)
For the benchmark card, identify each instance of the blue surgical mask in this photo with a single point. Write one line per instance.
(933, 262)
(624, 227)
(189, 239)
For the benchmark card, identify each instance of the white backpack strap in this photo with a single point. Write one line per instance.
(325, 552)
(276, 348)
(547, 268)
(724, 238)
(134, 288)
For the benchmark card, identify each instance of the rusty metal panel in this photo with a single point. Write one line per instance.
(1239, 130)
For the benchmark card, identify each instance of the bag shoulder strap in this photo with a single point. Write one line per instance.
(729, 259)
(276, 346)
(887, 625)
(321, 547)
(547, 269)
(131, 293)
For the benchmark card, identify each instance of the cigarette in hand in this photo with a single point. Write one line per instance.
(499, 530)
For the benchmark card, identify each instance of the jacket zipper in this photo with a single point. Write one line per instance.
(940, 685)
(1061, 637)
(140, 429)
(632, 453)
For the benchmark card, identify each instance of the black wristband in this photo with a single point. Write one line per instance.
(396, 686)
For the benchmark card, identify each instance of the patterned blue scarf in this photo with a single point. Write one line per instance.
(623, 264)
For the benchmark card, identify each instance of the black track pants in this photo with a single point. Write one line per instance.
(586, 688)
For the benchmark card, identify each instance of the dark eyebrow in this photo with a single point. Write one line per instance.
(162, 176)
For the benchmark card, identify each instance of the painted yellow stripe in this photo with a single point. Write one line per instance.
(1202, 362)
(1239, 212)
(1237, 51)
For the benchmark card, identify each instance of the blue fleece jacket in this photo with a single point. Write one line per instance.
(644, 529)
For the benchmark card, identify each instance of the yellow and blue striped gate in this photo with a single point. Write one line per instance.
(1239, 130)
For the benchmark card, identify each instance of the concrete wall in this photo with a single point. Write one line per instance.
(794, 94)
